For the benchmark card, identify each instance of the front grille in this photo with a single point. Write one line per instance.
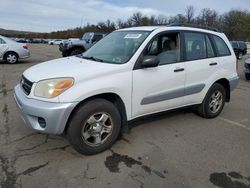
(26, 85)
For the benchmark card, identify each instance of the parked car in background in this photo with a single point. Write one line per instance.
(11, 51)
(21, 40)
(240, 48)
(66, 42)
(247, 69)
(128, 74)
(77, 47)
(55, 41)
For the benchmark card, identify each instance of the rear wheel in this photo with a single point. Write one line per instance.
(94, 127)
(76, 51)
(11, 57)
(213, 103)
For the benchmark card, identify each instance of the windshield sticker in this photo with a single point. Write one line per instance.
(133, 36)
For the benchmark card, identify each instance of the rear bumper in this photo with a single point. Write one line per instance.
(55, 115)
(24, 55)
(233, 82)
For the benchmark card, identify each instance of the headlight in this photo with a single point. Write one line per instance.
(52, 87)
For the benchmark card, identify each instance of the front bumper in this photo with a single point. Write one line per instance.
(55, 115)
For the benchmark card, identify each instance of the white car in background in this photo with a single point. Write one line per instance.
(56, 41)
(11, 51)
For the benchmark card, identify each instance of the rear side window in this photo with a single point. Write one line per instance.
(195, 44)
(221, 46)
(2, 41)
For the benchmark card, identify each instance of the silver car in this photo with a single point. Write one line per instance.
(11, 51)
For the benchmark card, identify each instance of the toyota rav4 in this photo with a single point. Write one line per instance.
(130, 73)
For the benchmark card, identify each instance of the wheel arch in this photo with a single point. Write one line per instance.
(225, 83)
(112, 97)
(10, 51)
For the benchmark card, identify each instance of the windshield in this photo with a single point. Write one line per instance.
(117, 47)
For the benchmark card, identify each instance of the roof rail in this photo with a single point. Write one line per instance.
(192, 25)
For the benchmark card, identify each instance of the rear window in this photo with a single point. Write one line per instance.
(221, 46)
(242, 44)
(234, 44)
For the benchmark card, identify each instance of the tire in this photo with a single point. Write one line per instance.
(64, 54)
(88, 131)
(76, 51)
(247, 76)
(213, 102)
(11, 57)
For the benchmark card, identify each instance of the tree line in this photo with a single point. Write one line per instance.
(234, 23)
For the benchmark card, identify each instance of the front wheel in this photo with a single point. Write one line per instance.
(214, 102)
(76, 52)
(94, 127)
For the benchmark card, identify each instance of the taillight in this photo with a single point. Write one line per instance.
(25, 46)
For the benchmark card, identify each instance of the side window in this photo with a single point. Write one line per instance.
(195, 46)
(210, 51)
(96, 38)
(2, 41)
(166, 47)
(221, 46)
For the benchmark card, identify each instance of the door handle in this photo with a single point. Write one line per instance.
(179, 69)
(213, 64)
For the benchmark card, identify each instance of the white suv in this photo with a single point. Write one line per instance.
(130, 73)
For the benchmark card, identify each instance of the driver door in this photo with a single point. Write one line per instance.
(159, 88)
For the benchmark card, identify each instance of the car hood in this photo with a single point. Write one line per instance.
(73, 66)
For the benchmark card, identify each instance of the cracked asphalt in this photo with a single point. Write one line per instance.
(175, 149)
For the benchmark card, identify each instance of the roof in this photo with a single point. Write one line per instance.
(152, 28)
(142, 28)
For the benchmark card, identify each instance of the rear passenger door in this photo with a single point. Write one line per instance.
(200, 62)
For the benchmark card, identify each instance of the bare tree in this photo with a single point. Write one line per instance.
(161, 19)
(189, 14)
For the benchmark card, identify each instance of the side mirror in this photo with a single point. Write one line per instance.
(150, 61)
(93, 41)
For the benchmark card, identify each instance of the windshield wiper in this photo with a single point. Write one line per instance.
(92, 58)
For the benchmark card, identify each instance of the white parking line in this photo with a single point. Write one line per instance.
(235, 123)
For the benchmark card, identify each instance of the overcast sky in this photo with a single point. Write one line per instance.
(53, 15)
